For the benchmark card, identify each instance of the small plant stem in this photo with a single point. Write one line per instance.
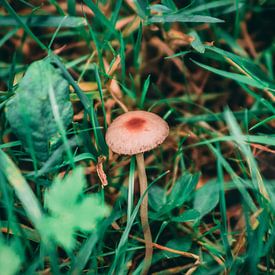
(144, 213)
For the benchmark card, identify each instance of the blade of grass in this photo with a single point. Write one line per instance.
(10, 144)
(21, 187)
(98, 81)
(71, 7)
(237, 19)
(268, 119)
(98, 47)
(7, 36)
(208, 6)
(184, 18)
(245, 149)
(137, 47)
(223, 227)
(211, 117)
(101, 17)
(43, 21)
(123, 240)
(86, 250)
(237, 77)
(144, 92)
(122, 59)
(131, 190)
(236, 179)
(100, 141)
(21, 23)
(267, 140)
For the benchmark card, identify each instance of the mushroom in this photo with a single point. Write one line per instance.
(134, 133)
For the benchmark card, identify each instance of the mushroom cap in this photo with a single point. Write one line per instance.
(136, 132)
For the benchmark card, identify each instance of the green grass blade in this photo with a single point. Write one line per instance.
(21, 187)
(224, 230)
(21, 23)
(122, 59)
(183, 18)
(237, 77)
(71, 7)
(123, 240)
(245, 149)
(98, 81)
(43, 21)
(144, 92)
(101, 17)
(131, 190)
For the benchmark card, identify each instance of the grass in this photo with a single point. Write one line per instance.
(206, 67)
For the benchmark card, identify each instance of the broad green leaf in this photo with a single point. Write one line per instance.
(31, 112)
(206, 198)
(9, 260)
(187, 216)
(181, 243)
(181, 192)
(183, 189)
(70, 210)
(157, 197)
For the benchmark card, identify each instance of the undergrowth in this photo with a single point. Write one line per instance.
(70, 205)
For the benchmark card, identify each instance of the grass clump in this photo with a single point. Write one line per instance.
(69, 68)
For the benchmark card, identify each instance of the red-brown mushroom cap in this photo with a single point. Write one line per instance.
(136, 132)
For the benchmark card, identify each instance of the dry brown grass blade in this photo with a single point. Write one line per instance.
(165, 50)
(111, 86)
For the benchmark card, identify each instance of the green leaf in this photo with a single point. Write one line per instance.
(181, 192)
(44, 21)
(157, 198)
(142, 8)
(186, 216)
(70, 210)
(144, 91)
(206, 198)
(181, 243)
(214, 5)
(196, 43)
(100, 17)
(237, 77)
(250, 73)
(183, 17)
(22, 189)
(32, 111)
(160, 8)
(9, 260)
(183, 189)
(245, 65)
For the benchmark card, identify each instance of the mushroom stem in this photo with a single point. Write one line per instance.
(144, 213)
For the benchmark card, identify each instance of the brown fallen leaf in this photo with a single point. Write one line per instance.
(100, 172)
